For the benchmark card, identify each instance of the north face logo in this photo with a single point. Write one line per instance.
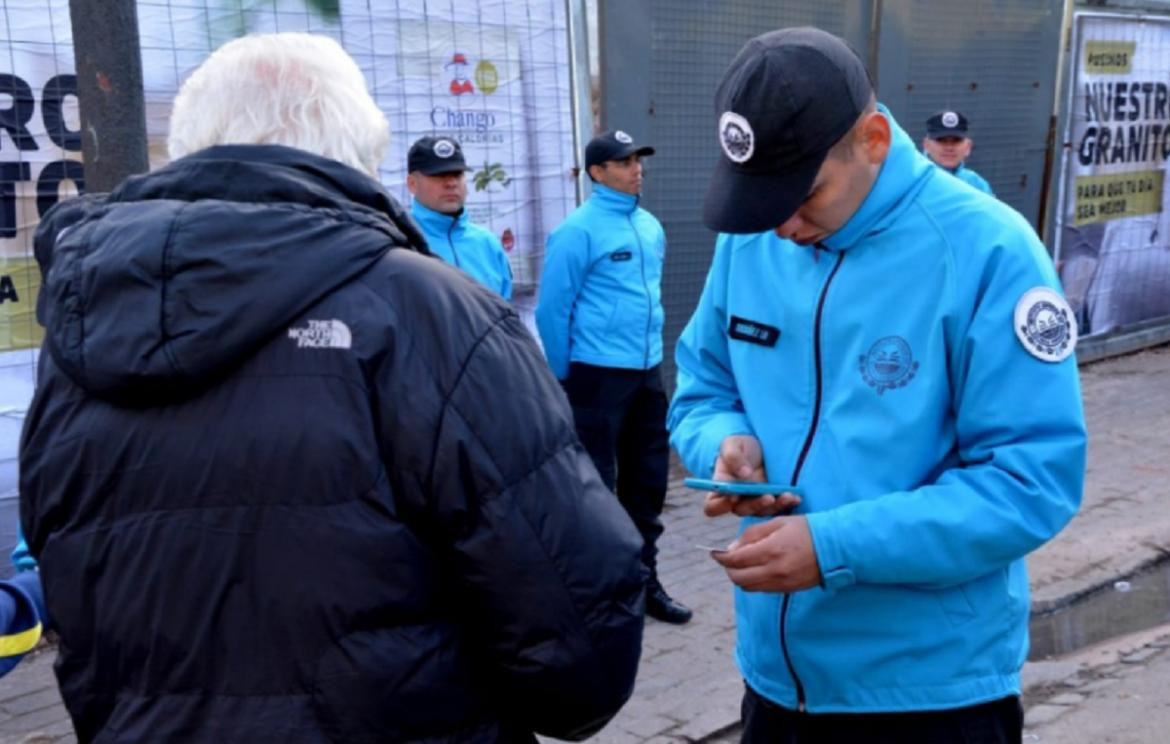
(322, 334)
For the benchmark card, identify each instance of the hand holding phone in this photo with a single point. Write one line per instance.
(742, 489)
(741, 461)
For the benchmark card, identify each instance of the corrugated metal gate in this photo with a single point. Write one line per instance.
(660, 61)
(993, 60)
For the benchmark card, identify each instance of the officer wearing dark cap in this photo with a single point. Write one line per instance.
(895, 347)
(600, 316)
(437, 178)
(947, 144)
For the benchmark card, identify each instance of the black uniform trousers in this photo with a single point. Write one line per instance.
(620, 415)
(997, 722)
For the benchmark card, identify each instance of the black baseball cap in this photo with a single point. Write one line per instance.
(786, 99)
(612, 145)
(946, 124)
(434, 155)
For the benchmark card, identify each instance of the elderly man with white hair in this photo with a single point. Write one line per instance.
(288, 477)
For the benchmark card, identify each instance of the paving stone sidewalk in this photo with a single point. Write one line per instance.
(688, 689)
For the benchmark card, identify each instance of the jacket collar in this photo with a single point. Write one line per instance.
(613, 200)
(437, 221)
(900, 178)
(268, 173)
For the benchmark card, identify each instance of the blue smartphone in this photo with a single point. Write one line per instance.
(743, 489)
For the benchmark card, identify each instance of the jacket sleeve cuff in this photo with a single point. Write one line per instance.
(835, 571)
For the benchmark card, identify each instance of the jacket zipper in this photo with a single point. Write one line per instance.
(812, 430)
(450, 242)
(646, 287)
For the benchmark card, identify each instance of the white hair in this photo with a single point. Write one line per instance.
(294, 89)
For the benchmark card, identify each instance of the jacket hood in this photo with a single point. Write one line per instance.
(177, 276)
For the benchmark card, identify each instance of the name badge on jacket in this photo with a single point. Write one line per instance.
(753, 331)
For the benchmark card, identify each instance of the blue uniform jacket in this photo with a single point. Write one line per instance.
(467, 246)
(601, 292)
(968, 176)
(935, 449)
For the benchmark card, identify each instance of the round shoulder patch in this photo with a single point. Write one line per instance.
(1045, 325)
(736, 137)
(444, 148)
(622, 137)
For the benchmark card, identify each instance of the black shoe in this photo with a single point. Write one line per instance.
(660, 606)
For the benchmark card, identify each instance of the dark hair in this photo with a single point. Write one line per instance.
(843, 150)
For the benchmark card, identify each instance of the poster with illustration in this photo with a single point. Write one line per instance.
(1114, 251)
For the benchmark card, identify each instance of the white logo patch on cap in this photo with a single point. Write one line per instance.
(444, 148)
(1045, 325)
(950, 119)
(622, 137)
(736, 137)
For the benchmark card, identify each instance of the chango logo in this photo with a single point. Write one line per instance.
(459, 82)
(487, 77)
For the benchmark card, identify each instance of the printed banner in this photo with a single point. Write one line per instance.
(493, 74)
(40, 154)
(1115, 240)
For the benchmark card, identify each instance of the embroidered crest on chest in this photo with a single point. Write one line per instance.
(888, 364)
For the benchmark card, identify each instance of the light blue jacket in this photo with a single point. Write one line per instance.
(935, 449)
(467, 246)
(968, 176)
(601, 291)
(21, 558)
(971, 178)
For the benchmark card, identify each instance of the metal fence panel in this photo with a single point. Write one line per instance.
(660, 64)
(993, 60)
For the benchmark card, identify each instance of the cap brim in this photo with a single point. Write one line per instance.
(741, 202)
(940, 133)
(440, 168)
(622, 155)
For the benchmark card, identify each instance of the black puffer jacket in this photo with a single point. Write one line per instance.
(287, 484)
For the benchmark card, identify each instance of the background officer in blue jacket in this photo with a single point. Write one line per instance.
(947, 144)
(437, 179)
(896, 346)
(599, 315)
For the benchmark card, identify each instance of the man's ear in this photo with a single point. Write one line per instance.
(594, 170)
(876, 137)
(411, 183)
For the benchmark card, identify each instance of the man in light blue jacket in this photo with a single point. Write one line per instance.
(437, 179)
(894, 345)
(947, 144)
(599, 315)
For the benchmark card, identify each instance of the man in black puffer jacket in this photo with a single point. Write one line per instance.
(289, 478)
